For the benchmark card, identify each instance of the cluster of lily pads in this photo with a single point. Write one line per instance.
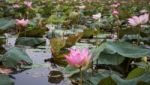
(98, 42)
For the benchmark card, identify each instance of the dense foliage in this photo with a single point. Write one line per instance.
(116, 32)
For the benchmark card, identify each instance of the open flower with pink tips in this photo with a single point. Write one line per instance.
(144, 18)
(22, 22)
(96, 16)
(115, 12)
(115, 5)
(28, 4)
(139, 20)
(16, 6)
(78, 58)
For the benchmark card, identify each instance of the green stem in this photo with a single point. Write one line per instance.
(27, 13)
(81, 76)
(18, 29)
(25, 34)
(63, 34)
(118, 28)
(139, 32)
(92, 67)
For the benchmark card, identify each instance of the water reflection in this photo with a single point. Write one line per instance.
(42, 73)
(55, 77)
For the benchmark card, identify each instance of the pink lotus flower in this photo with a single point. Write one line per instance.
(115, 12)
(78, 58)
(97, 16)
(134, 21)
(144, 18)
(28, 4)
(115, 5)
(22, 22)
(16, 6)
(138, 20)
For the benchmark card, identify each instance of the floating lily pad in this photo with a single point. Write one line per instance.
(5, 80)
(30, 41)
(14, 56)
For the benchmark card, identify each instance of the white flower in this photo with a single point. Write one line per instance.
(50, 27)
(81, 7)
(96, 16)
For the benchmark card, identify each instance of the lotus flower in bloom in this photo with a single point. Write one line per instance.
(115, 12)
(16, 6)
(28, 4)
(144, 18)
(78, 58)
(115, 5)
(22, 22)
(138, 20)
(97, 16)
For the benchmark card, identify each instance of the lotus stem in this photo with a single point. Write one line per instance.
(138, 39)
(81, 76)
(118, 28)
(63, 34)
(18, 29)
(92, 67)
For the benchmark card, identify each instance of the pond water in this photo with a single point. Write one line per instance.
(39, 74)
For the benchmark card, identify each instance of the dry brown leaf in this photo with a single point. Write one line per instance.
(6, 71)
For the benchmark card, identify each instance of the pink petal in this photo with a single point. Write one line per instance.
(77, 57)
(16, 6)
(115, 12)
(28, 4)
(142, 19)
(22, 22)
(136, 19)
(145, 18)
(85, 52)
(69, 60)
(96, 16)
(132, 22)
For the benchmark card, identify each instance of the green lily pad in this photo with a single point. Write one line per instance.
(5, 80)
(6, 23)
(15, 55)
(30, 41)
